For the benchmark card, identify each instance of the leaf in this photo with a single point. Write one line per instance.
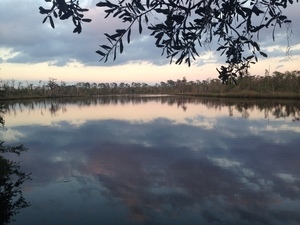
(250, 57)
(256, 10)
(158, 38)
(243, 38)
(163, 11)
(100, 52)
(66, 15)
(80, 15)
(246, 10)
(257, 28)
(130, 7)
(240, 12)
(86, 20)
(117, 13)
(44, 11)
(128, 36)
(195, 52)
(102, 4)
(115, 54)
(188, 61)
(121, 46)
(263, 54)
(106, 58)
(200, 11)
(108, 12)
(140, 25)
(282, 17)
(179, 60)
(78, 29)
(173, 54)
(178, 18)
(51, 22)
(75, 30)
(44, 20)
(55, 14)
(105, 47)
(106, 4)
(254, 44)
(82, 10)
(139, 5)
(111, 37)
(75, 20)
(221, 47)
(271, 12)
(120, 31)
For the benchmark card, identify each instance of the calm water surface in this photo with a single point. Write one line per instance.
(157, 160)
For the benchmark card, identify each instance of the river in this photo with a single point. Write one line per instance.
(157, 160)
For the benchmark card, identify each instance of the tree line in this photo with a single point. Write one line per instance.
(278, 84)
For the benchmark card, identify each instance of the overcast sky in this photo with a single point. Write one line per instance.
(32, 51)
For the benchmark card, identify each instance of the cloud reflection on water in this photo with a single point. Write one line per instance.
(164, 172)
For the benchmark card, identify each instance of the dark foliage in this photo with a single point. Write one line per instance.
(11, 179)
(11, 197)
(65, 10)
(184, 26)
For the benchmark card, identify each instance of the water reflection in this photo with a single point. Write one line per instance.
(202, 166)
(11, 180)
(270, 107)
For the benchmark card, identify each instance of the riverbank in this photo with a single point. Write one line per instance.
(240, 95)
(252, 95)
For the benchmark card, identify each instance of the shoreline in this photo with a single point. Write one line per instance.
(248, 95)
(240, 95)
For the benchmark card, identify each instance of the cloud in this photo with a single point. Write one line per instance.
(11, 136)
(239, 173)
(32, 42)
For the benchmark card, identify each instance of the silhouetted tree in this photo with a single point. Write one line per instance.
(184, 26)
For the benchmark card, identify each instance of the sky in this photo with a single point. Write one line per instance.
(31, 51)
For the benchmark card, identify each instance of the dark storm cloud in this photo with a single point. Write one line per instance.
(35, 42)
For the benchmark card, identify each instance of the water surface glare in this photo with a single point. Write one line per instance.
(157, 160)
